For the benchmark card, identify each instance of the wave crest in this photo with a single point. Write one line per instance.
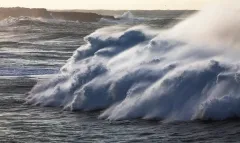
(26, 21)
(146, 73)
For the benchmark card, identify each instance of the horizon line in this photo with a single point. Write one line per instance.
(107, 9)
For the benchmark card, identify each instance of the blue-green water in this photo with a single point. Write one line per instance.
(32, 50)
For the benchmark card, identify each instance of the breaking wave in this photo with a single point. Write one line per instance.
(125, 18)
(26, 21)
(188, 72)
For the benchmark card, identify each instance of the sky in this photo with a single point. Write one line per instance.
(107, 4)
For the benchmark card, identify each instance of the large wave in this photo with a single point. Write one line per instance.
(188, 72)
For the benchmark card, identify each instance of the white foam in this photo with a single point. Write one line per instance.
(183, 73)
(125, 18)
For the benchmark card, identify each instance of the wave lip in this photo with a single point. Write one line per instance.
(146, 73)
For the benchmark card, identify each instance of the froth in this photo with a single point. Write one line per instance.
(187, 72)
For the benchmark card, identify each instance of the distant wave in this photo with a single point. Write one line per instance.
(26, 21)
(126, 15)
(126, 18)
(44, 13)
(188, 72)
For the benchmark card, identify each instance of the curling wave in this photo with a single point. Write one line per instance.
(188, 72)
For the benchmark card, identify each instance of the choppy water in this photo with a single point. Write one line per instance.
(24, 123)
(32, 50)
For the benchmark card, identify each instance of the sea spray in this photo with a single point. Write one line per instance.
(126, 18)
(184, 73)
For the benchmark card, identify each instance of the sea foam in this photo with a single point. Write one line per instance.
(125, 18)
(188, 72)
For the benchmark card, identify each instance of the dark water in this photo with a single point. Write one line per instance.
(32, 50)
(24, 123)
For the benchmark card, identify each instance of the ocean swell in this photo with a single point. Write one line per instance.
(178, 74)
(125, 18)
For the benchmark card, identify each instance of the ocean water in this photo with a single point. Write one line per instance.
(135, 79)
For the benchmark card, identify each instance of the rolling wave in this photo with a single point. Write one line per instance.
(188, 72)
(126, 18)
(26, 21)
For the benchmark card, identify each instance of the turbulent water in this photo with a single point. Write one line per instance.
(181, 76)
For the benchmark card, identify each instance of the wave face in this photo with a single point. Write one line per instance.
(188, 72)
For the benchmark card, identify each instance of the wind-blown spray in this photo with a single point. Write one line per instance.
(188, 72)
